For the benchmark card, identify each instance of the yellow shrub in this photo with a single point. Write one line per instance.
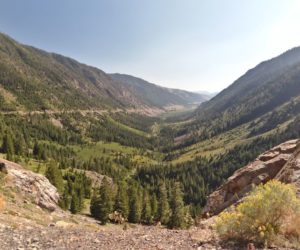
(262, 214)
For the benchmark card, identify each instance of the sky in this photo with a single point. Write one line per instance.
(186, 44)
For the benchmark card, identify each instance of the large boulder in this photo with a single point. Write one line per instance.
(32, 186)
(281, 162)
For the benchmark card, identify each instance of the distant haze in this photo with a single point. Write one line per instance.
(193, 45)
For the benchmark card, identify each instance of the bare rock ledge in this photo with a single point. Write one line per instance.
(281, 162)
(33, 186)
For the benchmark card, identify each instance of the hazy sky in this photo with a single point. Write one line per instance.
(187, 44)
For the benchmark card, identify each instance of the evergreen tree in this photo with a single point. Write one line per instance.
(54, 175)
(102, 204)
(163, 212)
(87, 186)
(36, 151)
(65, 199)
(122, 202)
(43, 155)
(177, 219)
(62, 164)
(134, 205)
(9, 157)
(79, 192)
(19, 145)
(75, 206)
(95, 205)
(154, 206)
(79, 185)
(146, 215)
(8, 145)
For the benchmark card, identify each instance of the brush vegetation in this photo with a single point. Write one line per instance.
(262, 216)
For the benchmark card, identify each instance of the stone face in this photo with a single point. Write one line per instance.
(290, 173)
(281, 162)
(32, 185)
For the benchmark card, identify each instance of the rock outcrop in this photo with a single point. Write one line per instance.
(33, 186)
(281, 162)
(290, 173)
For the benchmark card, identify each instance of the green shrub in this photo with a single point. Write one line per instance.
(262, 214)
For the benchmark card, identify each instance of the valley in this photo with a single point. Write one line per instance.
(117, 149)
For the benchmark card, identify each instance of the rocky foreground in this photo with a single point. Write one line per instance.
(56, 237)
(28, 227)
(31, 219)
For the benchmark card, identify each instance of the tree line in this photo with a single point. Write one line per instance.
(132, 203)
(125, 201)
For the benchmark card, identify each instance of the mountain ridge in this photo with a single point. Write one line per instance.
(36, 80)
(158, 95)
(262, 103)
(264, 71)
(263, 91)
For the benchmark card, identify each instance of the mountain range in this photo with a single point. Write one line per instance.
(262, 100)
(269, 86)
(154, 95)
(32, 79)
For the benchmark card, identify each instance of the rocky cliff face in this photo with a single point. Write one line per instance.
(281, 162)
(31, 185)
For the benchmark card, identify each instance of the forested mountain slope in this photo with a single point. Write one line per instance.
(155, 95)
(262, 89)
(32, 79)
(260, 110)
(264, 99)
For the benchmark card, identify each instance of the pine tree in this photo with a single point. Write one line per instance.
(19, 145)
(43, 155)
(122, 202)
(86, 185)
(79, 191)
(54, 175)
(9, 157)
(134, 205)
(163, 212)
(177, 219)
(36, 151)
(102, 204)
(7, 145)
(188, 219)
(65, 199)
(75, 206)
(94, 207)
(146, 215)
(154, 206)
